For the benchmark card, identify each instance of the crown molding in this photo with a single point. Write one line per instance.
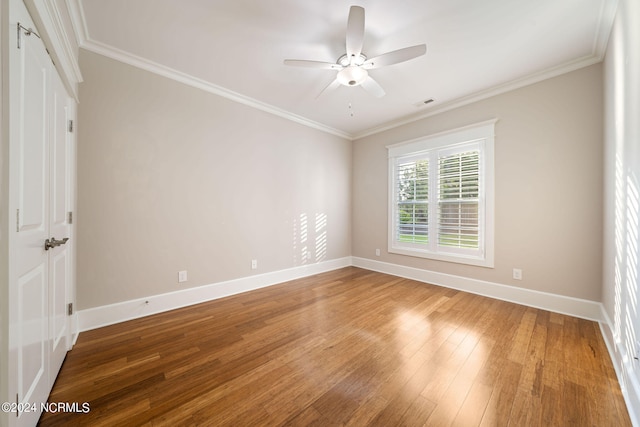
(484, 94)
(179, 76)
(606, 17)
(84, 39)
(603, 30)
(604, 25)
(145, 64)
(78, 21)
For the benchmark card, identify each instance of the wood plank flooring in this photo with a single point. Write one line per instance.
(350, 347)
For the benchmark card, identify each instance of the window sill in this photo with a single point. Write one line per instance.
(458, 259)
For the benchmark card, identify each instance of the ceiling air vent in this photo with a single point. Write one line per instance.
(423, 103)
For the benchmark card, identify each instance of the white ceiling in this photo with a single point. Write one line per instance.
(236, 48)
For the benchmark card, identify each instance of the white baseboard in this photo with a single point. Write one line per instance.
(623, 364)
(97, 317)
(119, 312)
(576, 307)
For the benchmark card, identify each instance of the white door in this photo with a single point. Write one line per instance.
(40, 197)
(59, 225)
(29, 345)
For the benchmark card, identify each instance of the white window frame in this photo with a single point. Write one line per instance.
(480, 134)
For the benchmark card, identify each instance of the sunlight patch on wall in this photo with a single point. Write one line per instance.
(633, 209)
(619, 246)
(310, 239)
(321, 237)
(631, 263)
(620, 197)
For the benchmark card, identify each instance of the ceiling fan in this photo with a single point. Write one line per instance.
(353, 66)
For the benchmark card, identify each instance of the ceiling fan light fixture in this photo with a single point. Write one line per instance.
(352, 75)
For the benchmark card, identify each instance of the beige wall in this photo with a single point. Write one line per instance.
(548, 155)
(173, 178)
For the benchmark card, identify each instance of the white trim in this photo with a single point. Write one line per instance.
(179, 76)
(413, 250)
(576, 307)
(139, 62)
(605, 21)
(607, 14)
(623, 365)
(97, 317)
(458, 135)
(47, 17)
(77, 21)
(484, 94)
(83, 37)
(480, 135)
(115, 313)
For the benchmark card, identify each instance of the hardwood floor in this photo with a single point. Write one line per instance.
(348, 347)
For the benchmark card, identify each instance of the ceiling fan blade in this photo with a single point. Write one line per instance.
(395, 56)
(331, 86)
(355, 31)
(373, 87)
(312, 64)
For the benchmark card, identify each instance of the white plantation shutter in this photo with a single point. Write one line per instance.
(459, 197)
(439, 188)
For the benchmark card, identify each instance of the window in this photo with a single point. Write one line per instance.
(441, 196)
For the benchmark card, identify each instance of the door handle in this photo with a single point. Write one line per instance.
(53, 243)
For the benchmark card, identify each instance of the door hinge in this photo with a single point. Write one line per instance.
(17, 220)
(70, 126)
(70, 217)
(70, 309)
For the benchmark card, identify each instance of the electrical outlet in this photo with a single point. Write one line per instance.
(182, 276)
(254, 264)
(377, 252)
(517, 274)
